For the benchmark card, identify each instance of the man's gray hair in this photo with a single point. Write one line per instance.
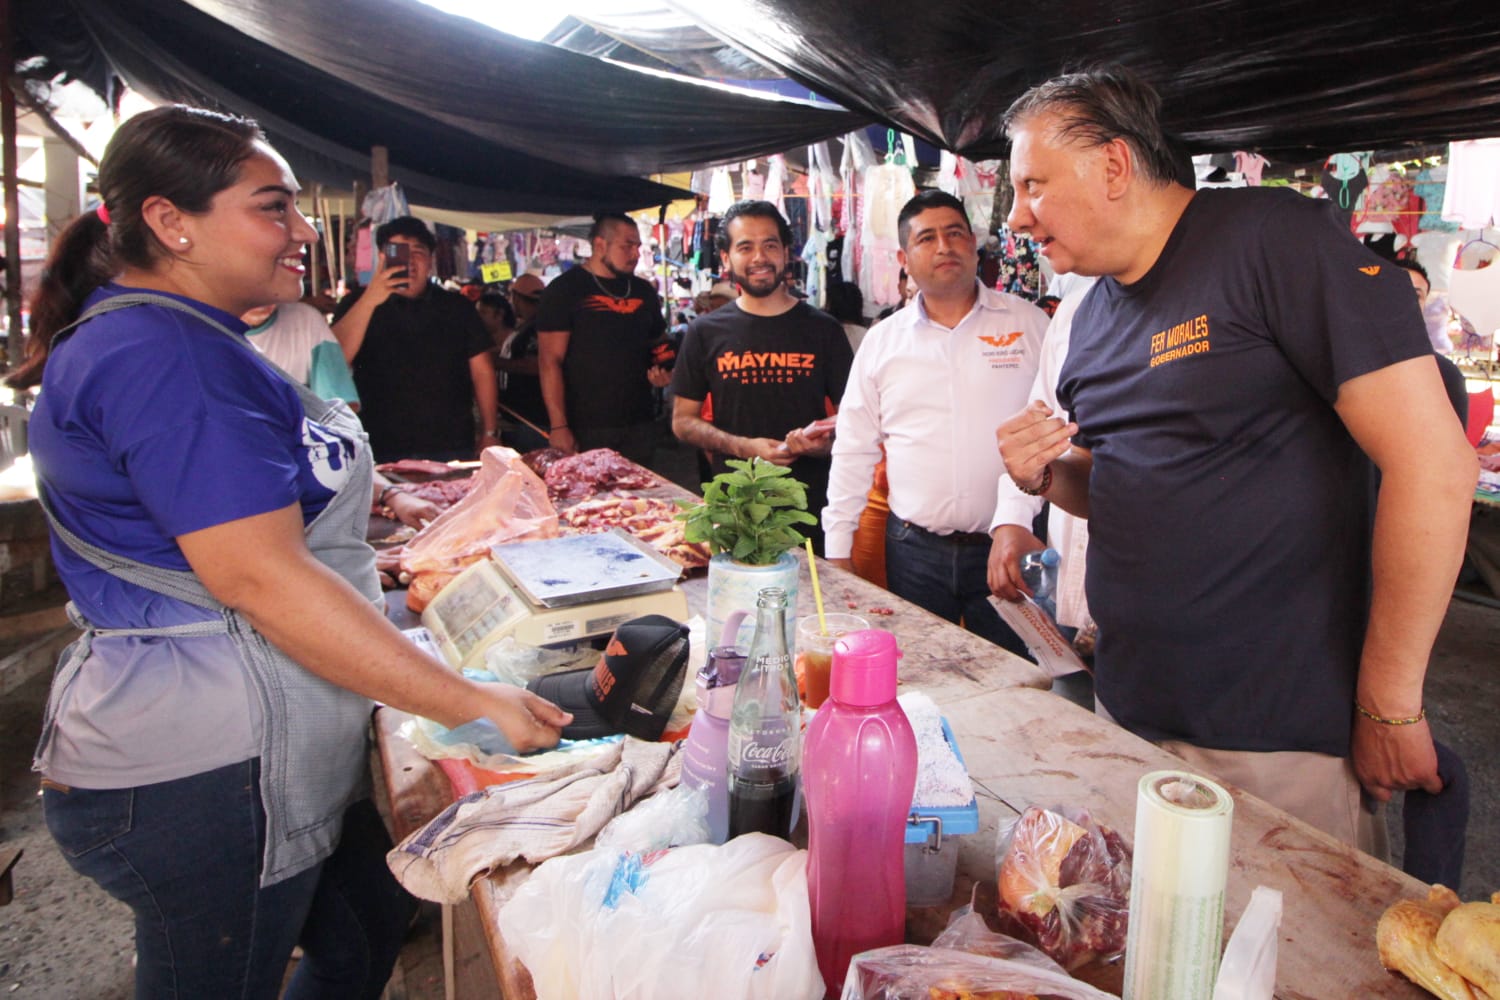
(1098, 105)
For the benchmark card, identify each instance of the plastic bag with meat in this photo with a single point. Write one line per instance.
(912, 972)
(507, 503)
(1064, 881)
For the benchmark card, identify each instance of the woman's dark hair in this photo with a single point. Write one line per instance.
(186, 155)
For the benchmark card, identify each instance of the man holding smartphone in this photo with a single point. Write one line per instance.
(420, 355)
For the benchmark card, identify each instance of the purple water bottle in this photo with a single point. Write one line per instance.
(858, 778)
(706, 751)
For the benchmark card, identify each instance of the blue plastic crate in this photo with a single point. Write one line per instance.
(931, 825)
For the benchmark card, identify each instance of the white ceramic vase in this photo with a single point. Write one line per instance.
(734, 586)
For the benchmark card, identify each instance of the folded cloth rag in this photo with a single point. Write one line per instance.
(1435, 825)
(532, 820)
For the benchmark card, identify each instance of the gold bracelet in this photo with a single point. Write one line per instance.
(1412, 721)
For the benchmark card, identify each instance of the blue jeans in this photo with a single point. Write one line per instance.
(185, 856)
(948, 578)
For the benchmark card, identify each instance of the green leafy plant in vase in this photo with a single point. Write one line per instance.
(749, 514)
(748, 518)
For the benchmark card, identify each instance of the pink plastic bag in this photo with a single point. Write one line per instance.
(507, 503)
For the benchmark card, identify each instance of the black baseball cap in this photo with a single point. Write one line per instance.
(634, 687)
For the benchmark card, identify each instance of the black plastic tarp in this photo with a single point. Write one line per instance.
(1293, 80)
(473, 119)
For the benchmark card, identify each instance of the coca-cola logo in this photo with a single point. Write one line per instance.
(778, 754)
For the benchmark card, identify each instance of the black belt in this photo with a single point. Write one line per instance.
(952, 538)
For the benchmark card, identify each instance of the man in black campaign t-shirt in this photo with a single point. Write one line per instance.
(771, 363)
(596, 324)
(1231, 376)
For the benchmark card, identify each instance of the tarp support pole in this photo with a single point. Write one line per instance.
(380, 167)
(12, 185)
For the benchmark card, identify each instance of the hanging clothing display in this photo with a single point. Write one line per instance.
(822, 179)
(1020, 272)
(1251, 166)
(1431, 185)
(858, 156)
(720, 191)
(1472, 197)
(887, 187)
(775, 179)
(1344, 182)
(1476, 295)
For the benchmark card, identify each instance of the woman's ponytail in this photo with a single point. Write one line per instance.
(80, 262)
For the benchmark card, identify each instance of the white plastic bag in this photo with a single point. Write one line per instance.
(1248, 971)
(728, 922)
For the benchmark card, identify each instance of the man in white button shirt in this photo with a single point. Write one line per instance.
(931, 384)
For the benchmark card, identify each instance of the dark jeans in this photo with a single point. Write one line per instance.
(946, 577)
(185, 856)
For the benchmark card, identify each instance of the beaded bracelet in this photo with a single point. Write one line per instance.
(1045, 485)
(1413, 720)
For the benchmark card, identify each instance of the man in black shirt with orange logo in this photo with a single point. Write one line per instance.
(1232, 378)
(596, 325)
(772, 363)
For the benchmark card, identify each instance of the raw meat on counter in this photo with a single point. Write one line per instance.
(507, 503)
(595, 471)
(414, 467)
(651, 520)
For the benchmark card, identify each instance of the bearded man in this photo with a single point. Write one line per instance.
(771, 363)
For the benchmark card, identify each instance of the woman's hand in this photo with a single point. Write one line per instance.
(528, 720)
(412, 510)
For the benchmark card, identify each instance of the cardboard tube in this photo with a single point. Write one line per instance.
(1181, 862)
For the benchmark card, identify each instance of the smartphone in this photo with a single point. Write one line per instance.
(398, 256)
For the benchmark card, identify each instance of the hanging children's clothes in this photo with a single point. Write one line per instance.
(1431, 186)
(1472, 197)
(887, 187)
(1251, 166)
(1344, 182)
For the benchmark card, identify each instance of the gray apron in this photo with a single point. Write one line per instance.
(313, 753)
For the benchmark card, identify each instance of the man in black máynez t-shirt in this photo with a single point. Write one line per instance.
(1232, 375)
(596, 325)
(420, 357)
(772, 363)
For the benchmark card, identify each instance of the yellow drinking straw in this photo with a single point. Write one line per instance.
(812, 568)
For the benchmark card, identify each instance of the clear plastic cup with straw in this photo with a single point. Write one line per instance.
(815, 637)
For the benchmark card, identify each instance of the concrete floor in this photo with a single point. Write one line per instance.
(62, 938)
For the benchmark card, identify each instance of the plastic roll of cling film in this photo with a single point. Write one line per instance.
(1177, 887)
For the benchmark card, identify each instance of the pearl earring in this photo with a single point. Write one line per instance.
(182, 239)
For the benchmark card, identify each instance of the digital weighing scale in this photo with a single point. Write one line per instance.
(552, 591)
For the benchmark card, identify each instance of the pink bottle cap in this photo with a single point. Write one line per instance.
(864, 668)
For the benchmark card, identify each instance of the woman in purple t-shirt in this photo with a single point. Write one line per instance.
(204, 751)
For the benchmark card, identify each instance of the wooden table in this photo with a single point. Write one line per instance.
(1023, 746)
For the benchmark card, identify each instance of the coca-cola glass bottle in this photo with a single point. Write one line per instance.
(765, 728)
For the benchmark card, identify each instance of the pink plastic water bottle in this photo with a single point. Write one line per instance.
(858, 773)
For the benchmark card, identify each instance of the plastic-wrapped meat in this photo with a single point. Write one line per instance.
(594, 472)
(415, 467)
(540, 460)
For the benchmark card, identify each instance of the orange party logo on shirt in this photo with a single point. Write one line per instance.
(1372, 270)
(1003, 340)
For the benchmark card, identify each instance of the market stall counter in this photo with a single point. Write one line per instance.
(1023, 746)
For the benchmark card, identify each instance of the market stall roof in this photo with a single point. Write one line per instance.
(473, 118)
(1294, 80)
